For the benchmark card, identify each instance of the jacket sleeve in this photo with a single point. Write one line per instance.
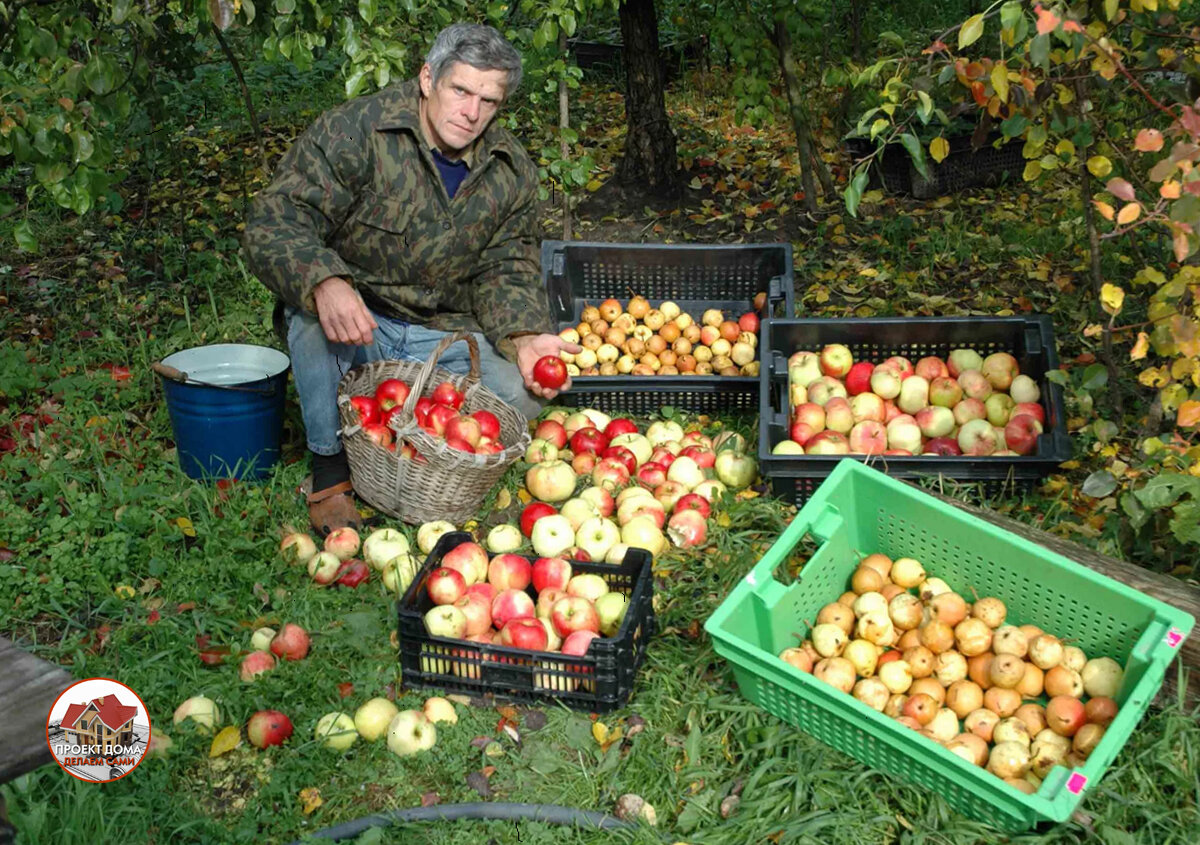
(291, 220)
(509, 297)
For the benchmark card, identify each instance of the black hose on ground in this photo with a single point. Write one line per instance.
(488, 811)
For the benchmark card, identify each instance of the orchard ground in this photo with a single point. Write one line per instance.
(94, 500)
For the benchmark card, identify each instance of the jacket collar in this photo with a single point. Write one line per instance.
(401, 111)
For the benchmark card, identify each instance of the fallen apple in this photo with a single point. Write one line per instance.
(410, 732)
(371, 720)
(336, 731)
(268, 727)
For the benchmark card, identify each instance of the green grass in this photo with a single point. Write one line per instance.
(100, 502)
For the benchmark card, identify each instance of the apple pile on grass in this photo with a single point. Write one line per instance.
(632, 485)
(385, 550)
(407, 731)
(507, 600)
(439, 415)
(638, 339)
(964, 405)
(907, 645)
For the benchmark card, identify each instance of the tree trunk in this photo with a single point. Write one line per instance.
(856, 20)
(649, 158)
(564, 121)
(1089, 217)
(810, 163)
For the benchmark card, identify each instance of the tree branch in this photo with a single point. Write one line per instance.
(246, 98)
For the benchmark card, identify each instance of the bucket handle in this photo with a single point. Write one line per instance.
(181, 377)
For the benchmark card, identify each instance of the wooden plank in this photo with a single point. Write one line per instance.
(28, 687)
(1165, 588)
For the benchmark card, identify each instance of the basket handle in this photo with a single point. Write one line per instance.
(418, 386)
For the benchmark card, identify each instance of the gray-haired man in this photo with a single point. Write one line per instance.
(394, 219)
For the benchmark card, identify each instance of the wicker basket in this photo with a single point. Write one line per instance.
(449, 484)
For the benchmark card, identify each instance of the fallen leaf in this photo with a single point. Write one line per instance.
(509, 713)
(481, 742)
(345, 689)
(479, 782)
(1188, 415)
(227, 739)
(310, 799)
(428, 799)
(600, 732)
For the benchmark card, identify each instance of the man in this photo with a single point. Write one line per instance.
(394, 219)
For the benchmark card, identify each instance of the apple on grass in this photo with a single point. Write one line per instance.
(254, 664)
(410, 732)
(600, 499)
(291, 643)
(574, 613)
(695, 502)
(383, 545)
(336, 731)
(552, 535)
(352, 573)
(610, 474)
(297, 547)
(200, 709)
(712, 489)
(430, 532)
(551, 481)
(532, 513)
(438, 709)
(553, 432)
(670, 492)
(578, 511)
(539, 451)
(342, 542)
(509, 572)
(268, 727)
(260, 640)
(504, 538)
(687, 529)
(596, 536)
(372, 718)
(651, 474)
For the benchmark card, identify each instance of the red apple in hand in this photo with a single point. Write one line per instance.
(550, 372)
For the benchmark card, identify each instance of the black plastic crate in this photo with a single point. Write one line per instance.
(598, 681)
(578, 273)
(964, 166)
(1030, 339)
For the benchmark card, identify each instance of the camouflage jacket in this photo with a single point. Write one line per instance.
(358, 196)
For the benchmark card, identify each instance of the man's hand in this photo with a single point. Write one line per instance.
(342, 313)
(534, 346)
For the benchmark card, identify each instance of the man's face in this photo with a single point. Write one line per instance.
(462, 104)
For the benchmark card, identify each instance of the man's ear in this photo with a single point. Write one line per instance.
(425, 77)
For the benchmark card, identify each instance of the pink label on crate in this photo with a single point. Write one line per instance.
(1174, 638)
(1076, 782)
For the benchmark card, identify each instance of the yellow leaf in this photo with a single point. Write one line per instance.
(503, 499)
(1099, 166)
(1128, 213)
(1140, 348)
(600, 732)
(227, 739)
(124, 591)
(1110, 9)
(970, 32)
(310, 799)
(695, 183)
(1112, 297)
(185, 525)
(1000, 81)
(1064, 148)
(939, 148)
(1172, 396)
(1093, 330)
(1154, 377)
(1033, 170)
(869, 271)
(1189, 414)
(1106, 210)
(524, 496)
(1170, 190)
(594, 185)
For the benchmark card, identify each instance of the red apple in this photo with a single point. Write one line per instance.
(440, 416)
(485, 591)
(941, 446)
(620, 453)
(525, 632)
(422, 409)
(478, 611)
(1034, 409)
(352, 573)
(588, 439)
(470, 560)
(687, 528)
(459, 444)
(446, 586)
(693, 502)
(584, 463)
(532, 513)
(268, 727)
(1021, 434)
(257, 662)
(509, 572)
(367, 409)
(511, 604)
(390, 393)
(620, 425)
(836, 360)
(547, 598)
(291, 643)
(748, 322)
(464, 428)
(651, 474)
(662, 456)
(858, 380)
(550, 573)
(553, 431)
(704, 458)
(380, 434)
(447, 394)
(572, 614)
(489, 426)
(610, 474)
(550, 372)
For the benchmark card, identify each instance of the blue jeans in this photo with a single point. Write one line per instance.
(318, 364)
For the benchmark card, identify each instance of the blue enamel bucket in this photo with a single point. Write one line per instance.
(226, 404)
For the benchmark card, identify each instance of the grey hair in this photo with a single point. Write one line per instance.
(478, 45)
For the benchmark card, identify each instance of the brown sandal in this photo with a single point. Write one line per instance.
(333, 508)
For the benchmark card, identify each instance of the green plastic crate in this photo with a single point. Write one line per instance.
(859, 510)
